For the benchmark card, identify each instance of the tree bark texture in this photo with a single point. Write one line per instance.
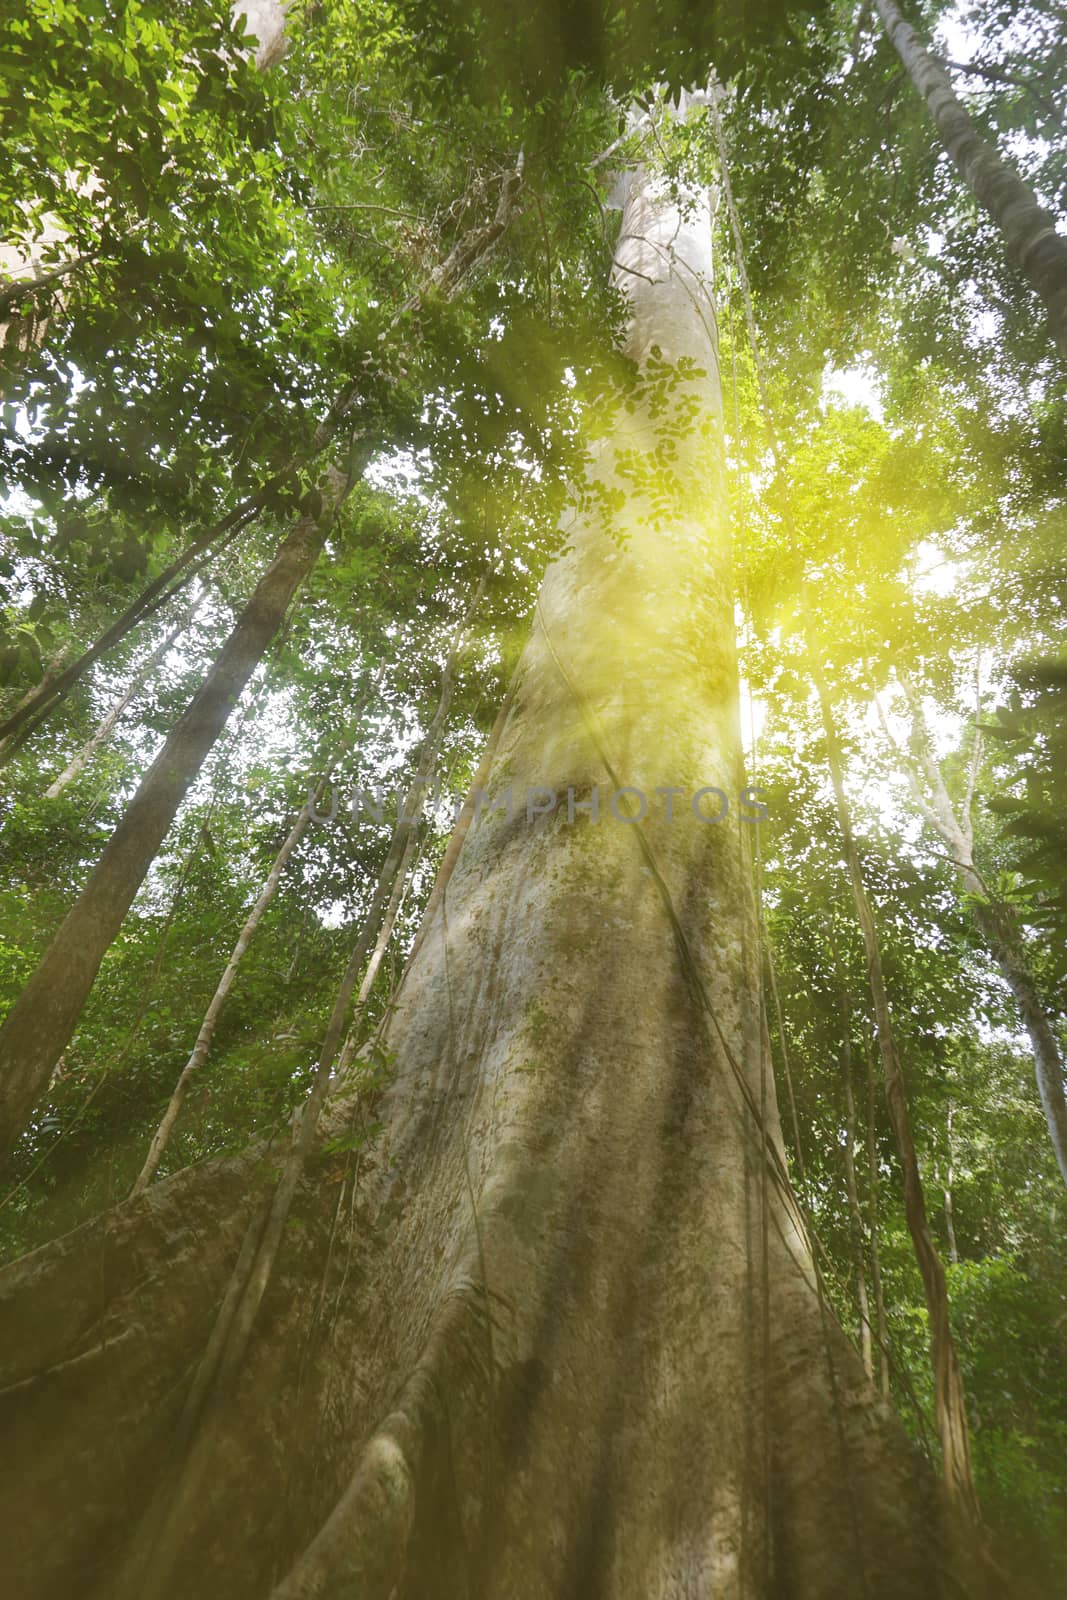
(555, 1332)
(1029, 230)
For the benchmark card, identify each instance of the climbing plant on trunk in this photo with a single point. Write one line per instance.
(583, 1346)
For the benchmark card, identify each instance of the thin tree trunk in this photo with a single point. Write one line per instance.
(42, 1020)
(35, 707)
(204, 1039)
(468, 814)
(381, 944)
(950, 1221)
(994, 921)
(392, 911)
(202, 1047)
(881, 1321)
(950, 1404)
(1029, 230)
(107, 723)
(852, 1189)
(783, 1043)
(48, 677)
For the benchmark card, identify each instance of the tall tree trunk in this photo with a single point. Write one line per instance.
(995, 922)
(42, 1020)
(950, 1173)
(579, 1349)
(107, 724)
(949, 1402)
(880, 1321)
(1029, 230)
(377, 955)
(852, 1189)
(201, 1049)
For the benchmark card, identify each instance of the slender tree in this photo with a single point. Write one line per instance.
(950, 1175)
(1029, 230)
(949, 1401)
(39, 702)
(881, 1322)
(995, 921)
(401, 884)
(109, 721)
(855, 1215)
(42, 1020)
(202, 1048)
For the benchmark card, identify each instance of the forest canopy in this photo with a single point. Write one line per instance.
(379, 504)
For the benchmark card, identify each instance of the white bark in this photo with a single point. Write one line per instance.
(265, 21)
(614, 1297)
(581, 1350)
(852, 1190)
(994, 922)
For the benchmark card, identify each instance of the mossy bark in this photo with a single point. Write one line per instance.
(556, 1332)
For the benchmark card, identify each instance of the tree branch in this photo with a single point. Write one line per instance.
(1017, 80)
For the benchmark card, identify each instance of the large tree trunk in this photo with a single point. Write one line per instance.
(42, 1020)
(564, 1342)
(1029, 230)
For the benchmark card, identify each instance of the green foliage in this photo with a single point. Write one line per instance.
(233, 250)
(1029, 749)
